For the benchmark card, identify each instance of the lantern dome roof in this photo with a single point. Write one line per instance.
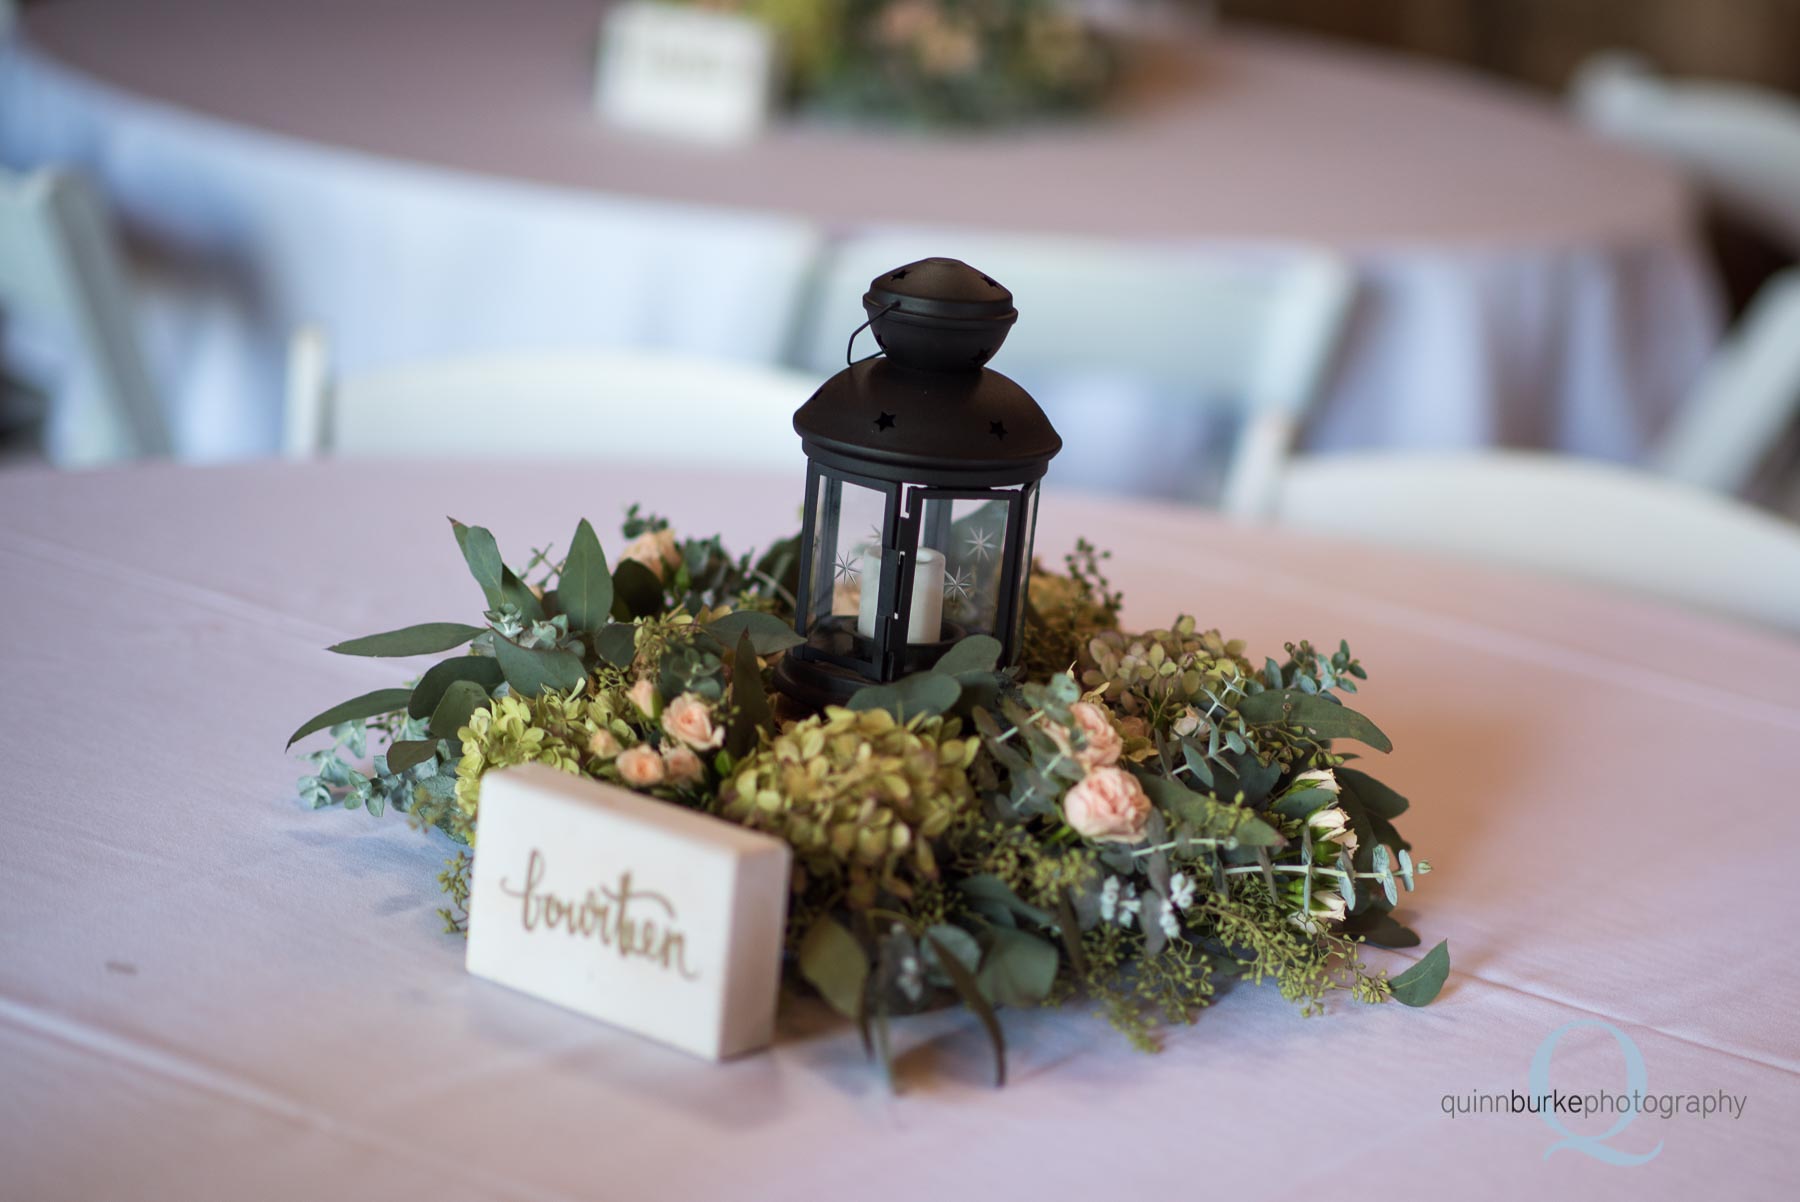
(927, 410)
(893, 422)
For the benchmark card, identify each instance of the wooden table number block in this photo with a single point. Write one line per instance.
(656, 918)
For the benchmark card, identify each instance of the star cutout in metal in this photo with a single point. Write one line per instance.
(997, 429)
(885, 422)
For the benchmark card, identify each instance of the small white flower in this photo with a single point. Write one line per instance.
(1332, 825)
(1181, 891)
(912, 978)
(1317, 778)
(1109, 899)
(1171, 926)
(1119, 902)
(1327, 907)
(1129, 905)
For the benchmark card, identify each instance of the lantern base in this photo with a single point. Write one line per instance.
(811, 684)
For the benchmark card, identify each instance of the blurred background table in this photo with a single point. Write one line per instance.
(207, 991)
(427, 176)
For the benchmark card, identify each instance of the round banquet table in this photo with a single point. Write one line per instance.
(207, 991)
(426, 177)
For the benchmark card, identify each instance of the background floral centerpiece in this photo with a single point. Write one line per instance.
(937, 62)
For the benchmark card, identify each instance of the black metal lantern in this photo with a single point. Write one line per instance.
(921, 489)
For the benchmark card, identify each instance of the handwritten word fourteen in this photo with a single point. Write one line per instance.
(615, 917)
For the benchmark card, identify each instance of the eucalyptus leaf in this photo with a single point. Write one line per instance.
(482, 554)
(1069, 924)
(637, 593)
(1372, 793)
(1347, 879)
(584, 590)
(1418, 985)
(498, 584)
(617, 644)
(369, 705)
(987, 893)
(427, 638)
(483, 670)
(959, 968)
(1195, 758)
(926, 693)
(1209, 817)
(1380, 929)
(884, 1045)
(1321, 717)
(768, 633)
(1150, 908)
(1018, 969)
(1299, 803)
(460, 701)
(409, 753)
(835, 964)
(976, 653)
(946, 941)
(1256, 778)
(751, 712)
(534, 670)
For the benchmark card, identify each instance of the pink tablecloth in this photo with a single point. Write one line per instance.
(427, 178)
(208, 992)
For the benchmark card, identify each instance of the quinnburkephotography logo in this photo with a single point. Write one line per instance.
(1559, 1109)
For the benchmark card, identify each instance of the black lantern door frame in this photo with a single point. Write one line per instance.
(924, 520)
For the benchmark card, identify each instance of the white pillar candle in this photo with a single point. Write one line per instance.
(926, 623)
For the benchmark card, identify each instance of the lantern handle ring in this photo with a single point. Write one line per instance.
(850, 347)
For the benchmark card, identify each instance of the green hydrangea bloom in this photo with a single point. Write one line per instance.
(1159, 674)
(860, 796)
(552, 729)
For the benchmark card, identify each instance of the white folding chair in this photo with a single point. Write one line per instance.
(1575, 518)
(1741, 143)
(1741, 146)
(1250, 331)
(581, 404)
(1747, 399)
(60, 269)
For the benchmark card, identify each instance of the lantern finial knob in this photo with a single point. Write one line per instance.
(939, 315)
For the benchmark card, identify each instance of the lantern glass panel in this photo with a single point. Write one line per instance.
(969, 533)
(848, 523)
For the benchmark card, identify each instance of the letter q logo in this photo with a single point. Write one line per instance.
(1635, 1080)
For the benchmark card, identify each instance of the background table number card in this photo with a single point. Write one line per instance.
(647, 915)
(686, 72)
